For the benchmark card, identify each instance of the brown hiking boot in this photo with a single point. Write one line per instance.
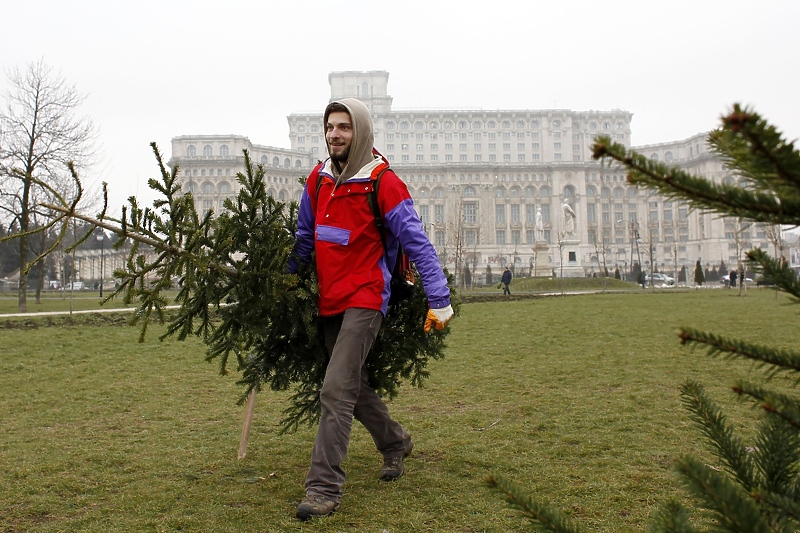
(393, 465)
(315, 506)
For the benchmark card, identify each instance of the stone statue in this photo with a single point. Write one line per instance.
(539, 225)
(569, 219)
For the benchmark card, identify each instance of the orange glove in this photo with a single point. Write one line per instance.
(438, 318)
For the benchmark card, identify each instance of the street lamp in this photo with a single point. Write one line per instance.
(102, 239)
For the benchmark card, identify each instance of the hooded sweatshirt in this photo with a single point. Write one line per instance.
(336, 223)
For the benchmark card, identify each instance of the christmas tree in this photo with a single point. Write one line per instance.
(754, 488)
(236, 293)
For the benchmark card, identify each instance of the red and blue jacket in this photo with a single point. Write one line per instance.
(337, 224)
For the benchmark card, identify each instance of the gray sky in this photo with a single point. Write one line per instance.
(154, 70)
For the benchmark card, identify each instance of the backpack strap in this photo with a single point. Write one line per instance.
(372, 199)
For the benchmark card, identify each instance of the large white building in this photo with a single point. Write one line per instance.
(478, 177)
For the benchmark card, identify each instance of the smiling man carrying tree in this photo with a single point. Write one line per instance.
(354, 270)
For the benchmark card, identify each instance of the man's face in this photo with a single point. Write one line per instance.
(339, 134)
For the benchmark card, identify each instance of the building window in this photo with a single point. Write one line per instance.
(438, 214)
(501, 236)
(208, 151)
(515, 214)
(423, 215)
(191, 151)
(470, 213)
(500, 213)
(515, 236)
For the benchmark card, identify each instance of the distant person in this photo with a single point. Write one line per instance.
(506, 281)
(733, 276)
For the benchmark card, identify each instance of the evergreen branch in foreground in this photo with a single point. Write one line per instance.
(727, 446)
(672, 517)
(773, 402)
(731, 509)
(753, 203)
(728, 347)
(540, 513)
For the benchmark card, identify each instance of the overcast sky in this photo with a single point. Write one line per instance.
(153, 70)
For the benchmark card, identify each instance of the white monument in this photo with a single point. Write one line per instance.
(568, 244)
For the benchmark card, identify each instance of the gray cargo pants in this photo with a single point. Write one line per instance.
(345, 394)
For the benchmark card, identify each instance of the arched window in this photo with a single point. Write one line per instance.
(618, 192)
(520, 124)
(263, 160)
(438, 192)
(208, 151)
(390, 125)
(424, 192)
(462, 124)
(404, 125)
(208, 188)
(631, 192)
(287, 163)
(491, 124)
(314, 128)
(223, 150)
(477, 124)
(569, 190)
(591, 191)
(593, 126)
(282, 196)
(191, 187)
(667, 157)
(469, 191)
(448, 125)
(605, 192)
(271, 192)
(225, 187)
(191, 151)
(544, 191)
(534, 124)
(514, 192)
(418, 125)
(505, 125)
(654, 156)
(276, 161)
(301, 128)
(499, 192)
(365, 89)
(298, 164)
(530, 192)
(556, 123)
(433, 125)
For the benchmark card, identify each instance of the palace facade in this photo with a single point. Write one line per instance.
(478, 178)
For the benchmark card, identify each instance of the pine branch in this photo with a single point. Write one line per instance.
(714, 425)
(731, 509)
(777, 270)
(541, 513)
(728, 347)
(776, 453)
(672, 517)
(773, 402)
(701, 193)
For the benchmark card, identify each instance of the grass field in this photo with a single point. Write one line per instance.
(574, 397)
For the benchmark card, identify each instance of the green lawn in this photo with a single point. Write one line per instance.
(574, 397)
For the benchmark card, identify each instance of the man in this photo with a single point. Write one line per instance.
(354, 273)
(506, 280)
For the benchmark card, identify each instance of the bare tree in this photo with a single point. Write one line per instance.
(39, 136)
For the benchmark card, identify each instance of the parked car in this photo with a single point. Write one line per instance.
(726, 280)
(659, 279)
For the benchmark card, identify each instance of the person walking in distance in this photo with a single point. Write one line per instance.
(506, 281)
(336, 226)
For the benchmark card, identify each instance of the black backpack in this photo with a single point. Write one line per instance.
(403, 277)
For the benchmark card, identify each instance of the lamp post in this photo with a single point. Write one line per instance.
(102, 239)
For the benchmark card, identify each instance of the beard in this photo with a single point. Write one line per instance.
(341, 155)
